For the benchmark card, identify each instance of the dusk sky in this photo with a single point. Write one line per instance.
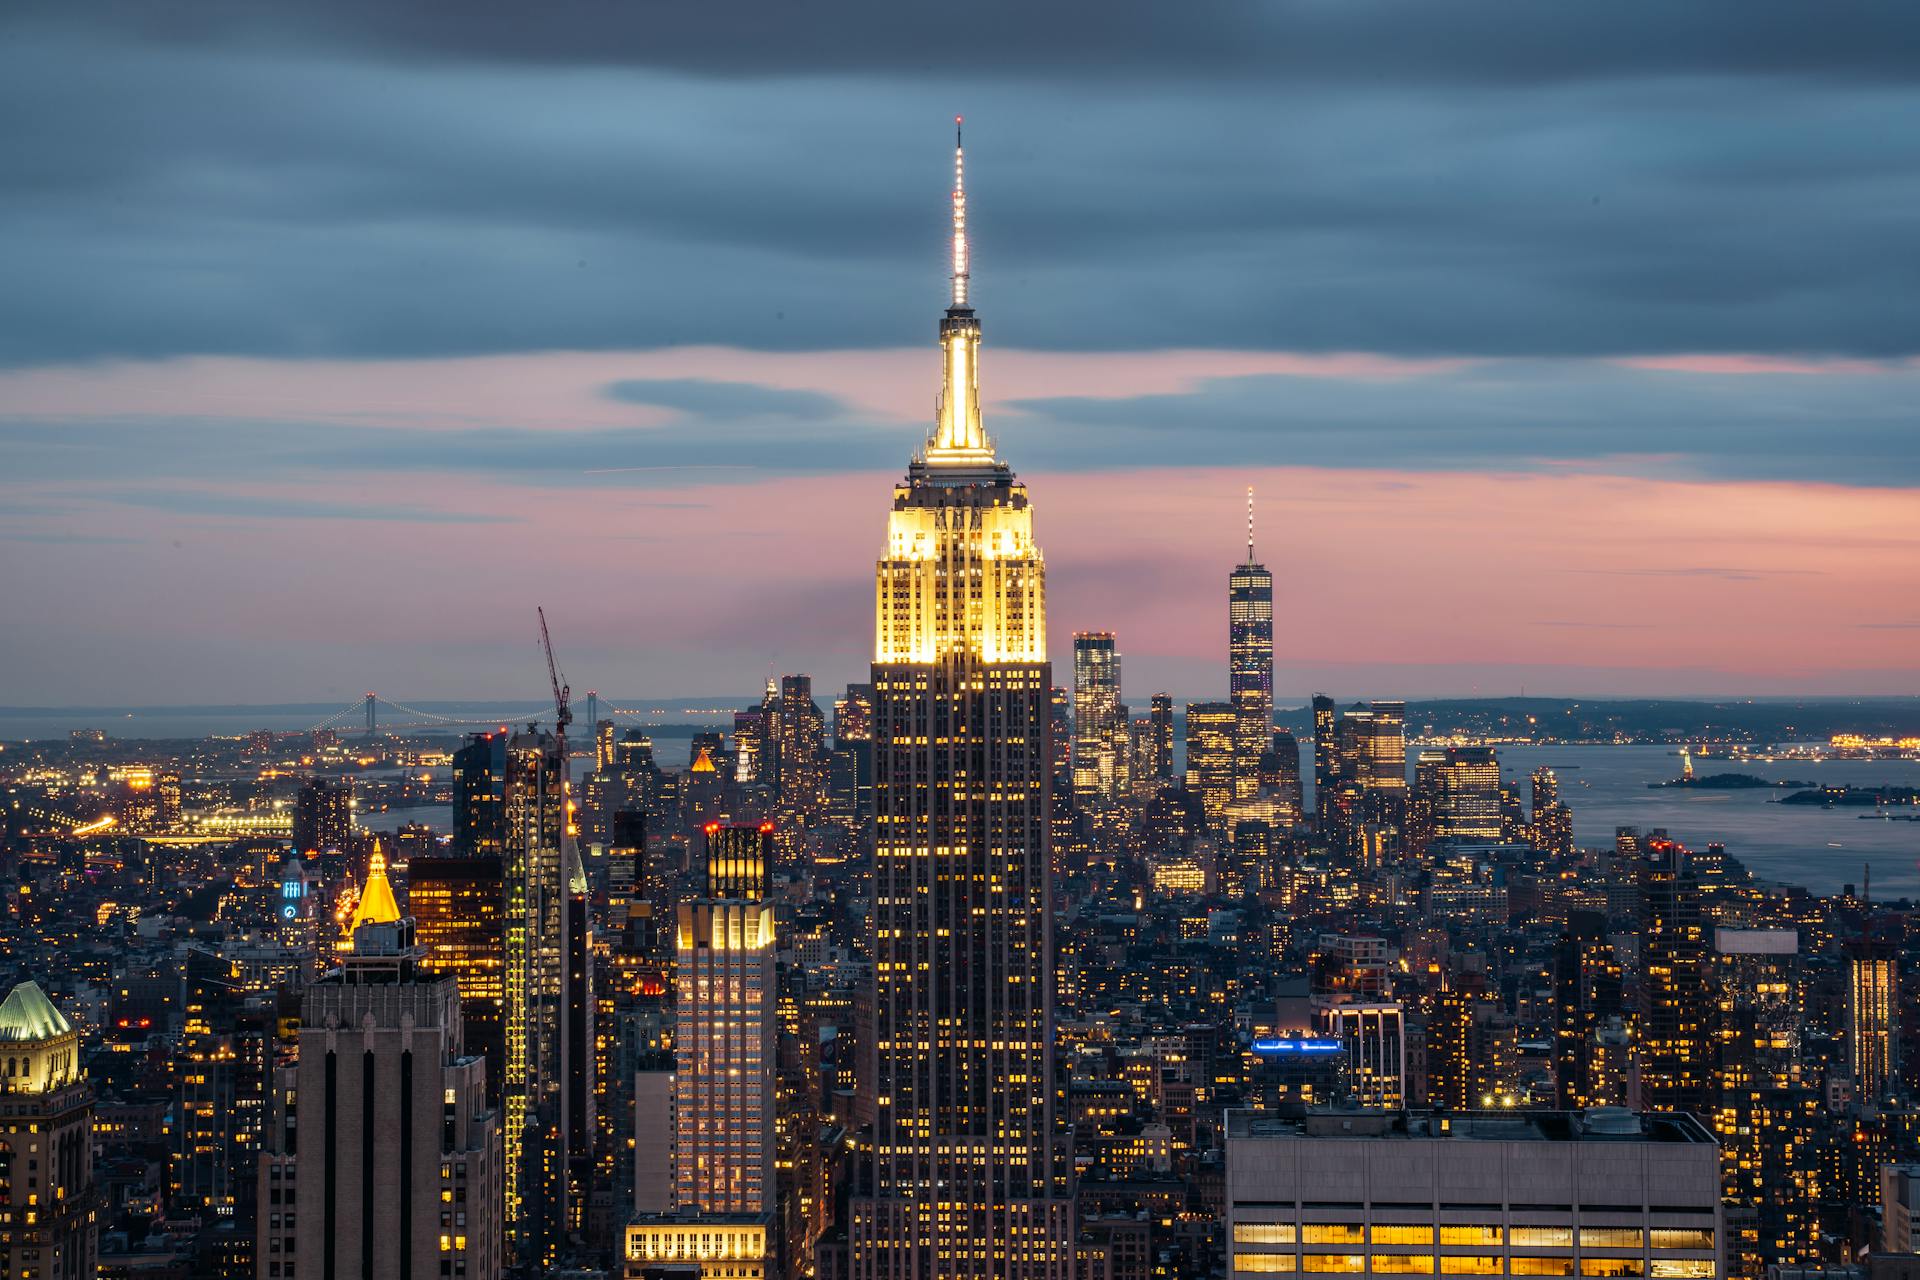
(1571, 348)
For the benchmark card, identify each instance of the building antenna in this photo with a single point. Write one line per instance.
(1249, 524)
(959, 218)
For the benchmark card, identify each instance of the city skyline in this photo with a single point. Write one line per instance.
(1402, 361)
(961, 962)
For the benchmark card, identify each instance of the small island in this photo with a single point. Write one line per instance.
(1723, 782)
(1855, 797)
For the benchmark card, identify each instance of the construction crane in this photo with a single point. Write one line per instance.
(562, 712)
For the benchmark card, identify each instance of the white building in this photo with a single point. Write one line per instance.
(1603, 1193)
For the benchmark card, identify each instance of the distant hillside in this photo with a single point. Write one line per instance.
(1654, 720)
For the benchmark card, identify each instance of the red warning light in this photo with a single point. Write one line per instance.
(766, 828)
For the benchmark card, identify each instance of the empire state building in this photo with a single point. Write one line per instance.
(969, 1174)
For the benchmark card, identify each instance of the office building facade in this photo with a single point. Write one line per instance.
(1603, 1193)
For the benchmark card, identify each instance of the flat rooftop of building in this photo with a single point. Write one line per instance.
(1599, 1124)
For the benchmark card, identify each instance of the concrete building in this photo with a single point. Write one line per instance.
(394, 1159)
(1900, 1208)
(49, 1213)
(1599, 1193)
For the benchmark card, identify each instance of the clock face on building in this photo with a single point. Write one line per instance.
(289, 911)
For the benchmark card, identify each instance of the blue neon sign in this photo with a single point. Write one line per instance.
(1270, 1045)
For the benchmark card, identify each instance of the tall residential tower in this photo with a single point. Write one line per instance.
(970, 1172)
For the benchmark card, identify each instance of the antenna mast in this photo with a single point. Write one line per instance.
(960, 274)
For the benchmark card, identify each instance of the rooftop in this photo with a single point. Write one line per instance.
(27, 1014)
(1600, 1124)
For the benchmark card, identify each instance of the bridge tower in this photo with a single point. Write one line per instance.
(372, 715)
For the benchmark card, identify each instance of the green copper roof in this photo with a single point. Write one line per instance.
(27, 1014)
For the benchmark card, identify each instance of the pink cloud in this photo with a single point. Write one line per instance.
(1386, 582)
(565, 389)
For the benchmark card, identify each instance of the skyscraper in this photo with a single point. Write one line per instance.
(536, 879)
(1250, 662)
(1213, 730)
(800, 753)
(1280, 774)
(455, 904)
(1326, 760)
(1873, 983)
(1587, 993)
(49, 1211)
(1098, 718)
(724, 1045)
(970, 1171)
(1456, 796)
(1673, 1032)
(480, 795)
(396, 1171)
(1160, 716)
(1552, 825)
(322, 816)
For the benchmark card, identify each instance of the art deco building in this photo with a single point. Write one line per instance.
(49, 1213)
(724, 1065)
(1250, 662)
(390, 1162)
(969, 1170)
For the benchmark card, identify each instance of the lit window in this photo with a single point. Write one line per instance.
(1403, 1264)
(1262, 1263)
(1541, 1237)
(1263, 1233)
(1324, 1262)
(1478, 1264)
(1682, 1237)
(1612, 1238)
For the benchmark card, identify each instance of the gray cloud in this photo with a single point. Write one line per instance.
(1849, 428)
(1844, 428)
(375, 180)
(1469, 41)
(729, 399)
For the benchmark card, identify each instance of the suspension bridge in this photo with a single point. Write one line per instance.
(374, 714)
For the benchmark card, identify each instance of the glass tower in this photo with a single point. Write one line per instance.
(1250, 663)
(1098, 718)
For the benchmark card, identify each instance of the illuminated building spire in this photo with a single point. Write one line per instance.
(1250, 524)
(959, 217)
(959, 439)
